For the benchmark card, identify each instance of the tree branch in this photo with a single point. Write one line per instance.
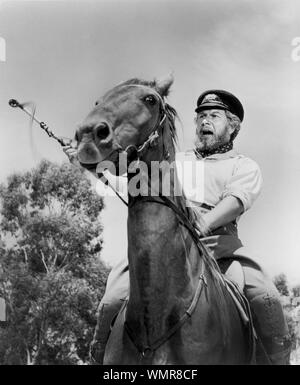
(44, 262)
(25, 255)
(29, 360)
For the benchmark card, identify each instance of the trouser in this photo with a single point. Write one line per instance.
(263, 297)
(267, 312)
(117, 291)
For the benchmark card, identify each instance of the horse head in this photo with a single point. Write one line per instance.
(125, 120)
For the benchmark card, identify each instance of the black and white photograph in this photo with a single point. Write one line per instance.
(149, 185)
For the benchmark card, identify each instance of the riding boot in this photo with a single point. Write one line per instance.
(105, 316)
(272, 329)
(277, 350)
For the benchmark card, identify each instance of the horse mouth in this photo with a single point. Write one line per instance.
(89, 166)
(88, 155)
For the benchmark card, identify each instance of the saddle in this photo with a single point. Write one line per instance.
(234, 272)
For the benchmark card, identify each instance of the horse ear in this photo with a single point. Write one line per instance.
(163, 85)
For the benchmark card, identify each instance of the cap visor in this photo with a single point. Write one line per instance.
(210, 106)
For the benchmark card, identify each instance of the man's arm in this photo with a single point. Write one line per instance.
(226, 211)
(239, 195)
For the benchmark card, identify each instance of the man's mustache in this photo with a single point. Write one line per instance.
(206, 129)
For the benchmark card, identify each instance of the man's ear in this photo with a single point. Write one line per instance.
(163, 85)
(230, 129)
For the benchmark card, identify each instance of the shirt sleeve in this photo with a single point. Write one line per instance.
(245, 183)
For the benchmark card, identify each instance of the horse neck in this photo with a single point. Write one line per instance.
(159, 262)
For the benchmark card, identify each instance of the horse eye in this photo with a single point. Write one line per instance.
(96, 104)
(150, 99)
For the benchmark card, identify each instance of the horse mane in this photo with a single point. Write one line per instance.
(190, 213)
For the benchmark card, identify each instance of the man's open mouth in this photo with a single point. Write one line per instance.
(206, 132)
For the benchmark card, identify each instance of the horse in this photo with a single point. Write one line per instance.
(179, 310)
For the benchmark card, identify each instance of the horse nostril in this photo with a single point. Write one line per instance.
(102, 131)
(77, 136)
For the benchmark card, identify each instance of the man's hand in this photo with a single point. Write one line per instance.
(201, 227)
(71, 151)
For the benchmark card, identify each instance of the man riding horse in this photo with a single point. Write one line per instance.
(232, 182)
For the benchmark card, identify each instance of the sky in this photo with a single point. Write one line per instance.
(63, 55)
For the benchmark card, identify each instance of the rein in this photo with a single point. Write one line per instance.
(148, 350)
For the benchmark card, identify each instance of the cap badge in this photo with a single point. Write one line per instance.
(211, 98)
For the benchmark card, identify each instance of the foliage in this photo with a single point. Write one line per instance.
(280, 282)
(52, 277)
(292, 313)
(296, 291)
(293, 327)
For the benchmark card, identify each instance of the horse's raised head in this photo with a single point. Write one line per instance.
(121, 120)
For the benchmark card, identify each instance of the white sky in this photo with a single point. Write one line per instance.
(64, 54)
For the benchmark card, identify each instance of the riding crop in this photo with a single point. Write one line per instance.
(14, 103)
(43, 125)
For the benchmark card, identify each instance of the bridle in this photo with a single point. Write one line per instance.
(158, 126)
(151, 139)
(138, 150)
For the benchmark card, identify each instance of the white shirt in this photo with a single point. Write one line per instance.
(219, 176)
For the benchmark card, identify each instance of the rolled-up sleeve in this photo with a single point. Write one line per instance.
(245, 183)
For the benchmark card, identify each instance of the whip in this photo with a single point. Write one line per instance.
(14, 103)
